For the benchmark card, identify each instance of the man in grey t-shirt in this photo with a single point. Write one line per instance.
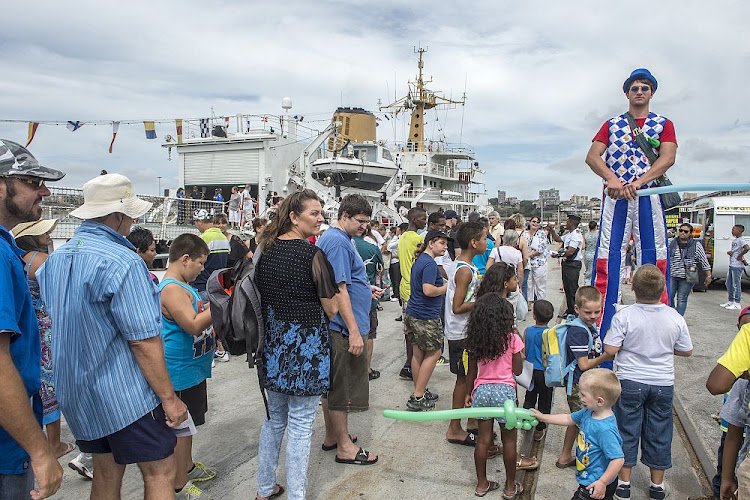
(736, 265)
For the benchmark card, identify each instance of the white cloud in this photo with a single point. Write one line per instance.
(541, 77)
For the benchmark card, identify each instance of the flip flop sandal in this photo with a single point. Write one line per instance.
(336, 445)
(517, 491)
(492, 486)
(373, 374)
(277, 494)
(68, 448)
(361, 458)
(533, 465)
(471, 440)
(494, 451)
(476, 433)
(565, 465)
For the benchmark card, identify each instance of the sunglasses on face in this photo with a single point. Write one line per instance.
(535, 222)
(34, 182)
(684, 230)
(641, 88)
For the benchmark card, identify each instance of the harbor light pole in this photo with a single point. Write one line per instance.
(158, 193)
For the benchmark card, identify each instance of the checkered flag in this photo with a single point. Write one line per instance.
(204, 128)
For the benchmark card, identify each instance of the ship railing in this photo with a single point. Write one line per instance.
(168, 217)
(196, 128)
(437, 194)
(436, 147)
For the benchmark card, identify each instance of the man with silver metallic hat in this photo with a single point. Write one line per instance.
(25, 454)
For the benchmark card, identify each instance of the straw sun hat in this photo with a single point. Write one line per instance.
(109, 194)
(34, 228)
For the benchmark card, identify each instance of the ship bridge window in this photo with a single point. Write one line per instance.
(387, 154)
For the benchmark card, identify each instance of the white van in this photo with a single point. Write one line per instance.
(715, 217)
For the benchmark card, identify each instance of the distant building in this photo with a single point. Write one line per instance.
(511, 200)
(689, 196)
(500, 197)
(549, 196)
(579, 200)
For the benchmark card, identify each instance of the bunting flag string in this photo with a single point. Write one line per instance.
(196, 127)
(32, 131)
(150, 130)
(115, 128)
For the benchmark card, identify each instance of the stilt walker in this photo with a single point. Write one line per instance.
(630, 163)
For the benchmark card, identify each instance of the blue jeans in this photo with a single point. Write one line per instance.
(297, 413)
(644, 413)
(681, 288)
(525, 284)
(16, 486)
(734, 283)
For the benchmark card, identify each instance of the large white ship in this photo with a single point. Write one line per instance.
(273, 156)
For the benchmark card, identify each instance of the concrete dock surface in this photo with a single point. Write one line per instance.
(416, 461)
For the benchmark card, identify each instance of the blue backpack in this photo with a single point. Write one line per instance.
(557, 366)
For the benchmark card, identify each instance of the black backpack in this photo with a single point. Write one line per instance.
(236, 311)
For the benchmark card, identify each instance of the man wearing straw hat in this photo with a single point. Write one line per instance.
(24, 453)
(112, 380)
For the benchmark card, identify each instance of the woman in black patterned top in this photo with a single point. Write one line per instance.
(296, 285)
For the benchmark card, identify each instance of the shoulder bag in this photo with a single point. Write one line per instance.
(668, 200)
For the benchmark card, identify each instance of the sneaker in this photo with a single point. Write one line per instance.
(83, 464)
(725, 304)
(400, 318)
(622, 492)
(658, 492)
(430, 395)
(442, 361)
(222, 356)
(200, 473)
(190, 491)
(405, 373)
(419, 404)
(734, 305)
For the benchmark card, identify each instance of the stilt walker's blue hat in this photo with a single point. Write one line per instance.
(640, 74)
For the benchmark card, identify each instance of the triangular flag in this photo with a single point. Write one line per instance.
(115, 128)
(73, 126)
(32, 130)
(150, 131)
(178, 125)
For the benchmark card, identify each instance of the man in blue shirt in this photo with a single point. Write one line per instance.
(112, 380)
(349, 382)
(24, 452)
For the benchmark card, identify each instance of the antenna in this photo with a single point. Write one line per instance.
(463, 112)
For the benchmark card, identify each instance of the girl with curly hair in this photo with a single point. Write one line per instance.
(495, 356)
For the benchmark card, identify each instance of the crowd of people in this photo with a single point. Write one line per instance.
(89, 333)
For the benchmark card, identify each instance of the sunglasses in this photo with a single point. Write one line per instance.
(34, 182)
(535, 222)
(684, 230)
(641, 88)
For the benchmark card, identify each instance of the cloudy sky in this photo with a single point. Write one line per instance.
(540, 77)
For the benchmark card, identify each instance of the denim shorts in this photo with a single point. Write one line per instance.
(15, 486)
(493, 396)
(644, 413)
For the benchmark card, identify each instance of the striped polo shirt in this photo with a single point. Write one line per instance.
(100, 297)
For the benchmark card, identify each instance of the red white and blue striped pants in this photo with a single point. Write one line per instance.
(643, 218)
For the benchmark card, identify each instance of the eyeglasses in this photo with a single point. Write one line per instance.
(535, 222)
(34, 182)
(361, 222)
(642, 88)
(685, 230)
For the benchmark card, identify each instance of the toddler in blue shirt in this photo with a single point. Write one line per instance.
(599, 455)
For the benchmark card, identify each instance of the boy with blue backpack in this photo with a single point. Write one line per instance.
(582, 345)
(541, 395)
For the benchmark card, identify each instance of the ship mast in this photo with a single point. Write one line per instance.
(418, 100)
